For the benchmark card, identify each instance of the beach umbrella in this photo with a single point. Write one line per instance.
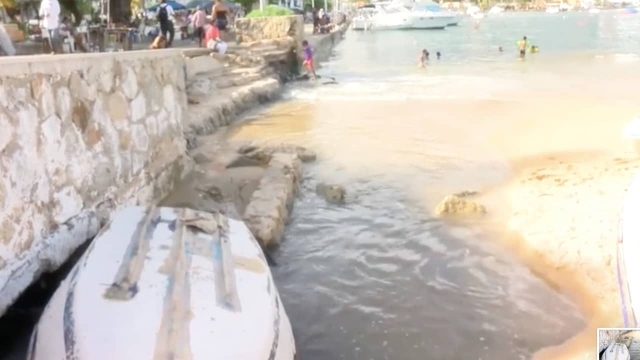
(206, 4)
(176, 6)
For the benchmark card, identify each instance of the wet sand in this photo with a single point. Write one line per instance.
(563, 205)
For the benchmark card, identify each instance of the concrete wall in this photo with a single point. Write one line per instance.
(270, 28)
(79, 136)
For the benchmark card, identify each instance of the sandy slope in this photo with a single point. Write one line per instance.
(567, 213)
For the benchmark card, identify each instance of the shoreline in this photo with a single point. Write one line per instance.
(561, 218)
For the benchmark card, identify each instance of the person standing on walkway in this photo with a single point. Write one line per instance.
(220, 12)
(50, 16)
(164, 14)
(198, 21)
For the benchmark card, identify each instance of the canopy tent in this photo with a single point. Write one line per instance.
(208, 4)
(176, 6)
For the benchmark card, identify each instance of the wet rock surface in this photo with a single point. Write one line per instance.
(334, 194)
(459, 205)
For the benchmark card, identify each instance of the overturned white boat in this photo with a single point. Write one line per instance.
(164, 283)
(616, 351)
(628, 250)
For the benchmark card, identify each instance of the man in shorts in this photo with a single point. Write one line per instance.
(523, 45)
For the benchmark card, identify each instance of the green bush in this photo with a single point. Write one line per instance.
(270, 11)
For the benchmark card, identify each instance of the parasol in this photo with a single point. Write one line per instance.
(176, 6)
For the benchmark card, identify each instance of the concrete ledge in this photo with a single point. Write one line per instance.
(221, 109)
(68, 63)
(268, 210)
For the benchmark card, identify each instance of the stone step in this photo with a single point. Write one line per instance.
(217, 109)
(203, 86)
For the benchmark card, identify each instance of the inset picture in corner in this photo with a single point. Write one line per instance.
(619, 344)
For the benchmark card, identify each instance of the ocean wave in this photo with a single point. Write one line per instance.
(408, 87)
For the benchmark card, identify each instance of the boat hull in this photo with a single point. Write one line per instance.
(167, 283)
(430, 21)
(628, 250)
(615, 351)
(360, 24)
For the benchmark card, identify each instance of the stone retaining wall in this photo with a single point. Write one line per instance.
(269, 28)
(79, 136)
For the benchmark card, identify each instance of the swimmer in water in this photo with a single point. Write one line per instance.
(424, 57)
(438, 55)
(500, 49)
(534, 49)
(523, 45)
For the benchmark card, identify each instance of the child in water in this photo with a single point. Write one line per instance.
(308, 59)
(424, 57)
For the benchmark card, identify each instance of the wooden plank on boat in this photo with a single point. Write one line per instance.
(164, 283)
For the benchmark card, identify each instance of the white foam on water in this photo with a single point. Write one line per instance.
(410, 87)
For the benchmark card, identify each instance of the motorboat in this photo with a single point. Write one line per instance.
(471, 10)
(426, 19)
(552, 9)
(167, 283)
(396, 16)
(362, 19)
(496, 10)
(389, 17)
(429, 6)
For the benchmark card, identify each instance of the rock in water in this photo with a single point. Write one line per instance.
(332, 193)
(456, 205)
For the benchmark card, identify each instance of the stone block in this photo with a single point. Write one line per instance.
(269, 28)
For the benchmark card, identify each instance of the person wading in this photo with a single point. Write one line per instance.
(523, 45)
(164, 15)
(220, 12)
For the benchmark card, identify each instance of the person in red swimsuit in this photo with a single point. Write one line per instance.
(212, 40)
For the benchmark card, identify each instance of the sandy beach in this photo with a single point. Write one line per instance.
(562, 210)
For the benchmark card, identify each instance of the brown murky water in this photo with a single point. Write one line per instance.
(380, 278)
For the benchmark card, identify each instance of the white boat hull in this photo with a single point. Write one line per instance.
(628, 250)
(616, 352)
(454, 21)
(428, 21)
(163, 283)
(360, 24)
(391, 24)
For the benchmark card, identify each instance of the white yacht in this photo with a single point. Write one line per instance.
(435, 9)
(496, 10)
(389, 17)
(363, 19)
(396, 16)
(552, 9)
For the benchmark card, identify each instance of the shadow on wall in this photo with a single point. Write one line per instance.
(18, 322)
